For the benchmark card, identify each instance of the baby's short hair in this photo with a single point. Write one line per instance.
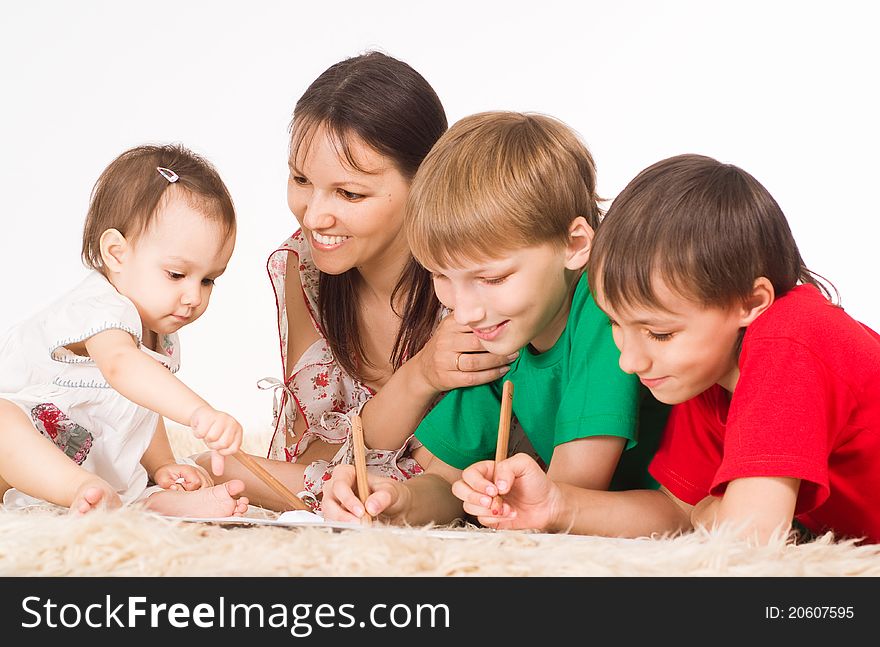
(128, 193)
(496, 182)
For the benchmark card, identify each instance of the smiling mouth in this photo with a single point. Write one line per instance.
(653, 382)
(490, 332)
(328, 242)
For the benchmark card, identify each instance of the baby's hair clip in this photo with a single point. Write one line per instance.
(168, 174)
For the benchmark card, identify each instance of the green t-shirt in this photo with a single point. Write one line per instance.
(573, 390)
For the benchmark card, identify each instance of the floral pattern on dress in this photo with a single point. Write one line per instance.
(320, 389)
(166, 343)
(72, 439)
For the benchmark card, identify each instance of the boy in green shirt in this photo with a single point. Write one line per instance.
(502, 212)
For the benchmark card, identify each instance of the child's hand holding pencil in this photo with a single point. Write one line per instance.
(509, 493)
(530, 500)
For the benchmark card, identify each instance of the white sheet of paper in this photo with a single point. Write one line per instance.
(256, 516)
(293, 518)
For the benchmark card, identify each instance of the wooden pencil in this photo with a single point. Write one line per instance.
(503, 433)
(360, 463)
(273, 483)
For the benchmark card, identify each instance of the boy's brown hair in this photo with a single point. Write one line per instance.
(128, 193)
(707, 229)
(496, 182)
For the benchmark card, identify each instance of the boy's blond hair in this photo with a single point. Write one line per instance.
(496, 182)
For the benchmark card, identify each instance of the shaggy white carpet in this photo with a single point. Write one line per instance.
(134, 543)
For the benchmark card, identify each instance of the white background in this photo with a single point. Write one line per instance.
(787, 90)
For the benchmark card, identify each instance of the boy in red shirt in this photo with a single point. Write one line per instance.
(776, 389)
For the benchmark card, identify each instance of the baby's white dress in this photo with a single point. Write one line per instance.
(67, 398)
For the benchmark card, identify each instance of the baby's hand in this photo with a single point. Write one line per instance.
(182, 477)
(220, 431)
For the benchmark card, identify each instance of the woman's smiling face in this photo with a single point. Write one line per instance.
(350, 217)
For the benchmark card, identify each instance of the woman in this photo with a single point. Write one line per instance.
(360, 328)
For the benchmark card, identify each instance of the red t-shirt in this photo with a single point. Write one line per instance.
(806, 406)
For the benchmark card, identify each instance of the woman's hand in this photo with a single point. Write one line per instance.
(454, 357)
(340, 503)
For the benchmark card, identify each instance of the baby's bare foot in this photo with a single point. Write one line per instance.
(217, 501)
(91, 496)
(241, 506)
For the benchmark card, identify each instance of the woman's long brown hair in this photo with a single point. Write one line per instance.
(386, 104)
